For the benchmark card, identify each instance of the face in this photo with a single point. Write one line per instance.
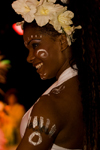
(12, 99)
(44, 52)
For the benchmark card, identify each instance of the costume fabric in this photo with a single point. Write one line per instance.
(67, 74)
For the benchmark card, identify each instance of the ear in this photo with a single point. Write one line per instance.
(63, 41)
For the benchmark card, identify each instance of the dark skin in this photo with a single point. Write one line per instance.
(63, 109)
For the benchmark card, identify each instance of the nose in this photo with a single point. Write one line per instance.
(30, 57)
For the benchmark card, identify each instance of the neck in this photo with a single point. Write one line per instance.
(62, 69)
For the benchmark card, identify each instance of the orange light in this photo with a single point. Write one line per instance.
(17, 29)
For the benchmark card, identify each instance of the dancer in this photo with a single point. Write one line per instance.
(63, 42)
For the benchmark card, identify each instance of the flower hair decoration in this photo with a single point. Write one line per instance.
(46, 11)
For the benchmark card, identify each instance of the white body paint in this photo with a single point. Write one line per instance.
(44, 76)
(39, 138)
(58, 89)
(53, 130)
(43, 53)
(35, 122)
(41, 122)
(47, 124)
(31, 37)
(37, 133)
(40, 36)
(36, 36)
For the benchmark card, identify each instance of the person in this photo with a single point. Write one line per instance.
(13, 113)
(10, 116)
(63, 42)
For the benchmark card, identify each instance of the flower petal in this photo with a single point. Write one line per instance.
(69, 41)
(20, 8)
(42, 20)
(68, 29)
(31, 3)
(51, 1)
(55, 23)
(28, 17)
(65, 18)
(59, 9)
(68, 14)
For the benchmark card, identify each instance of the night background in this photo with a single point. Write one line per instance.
(21, 75)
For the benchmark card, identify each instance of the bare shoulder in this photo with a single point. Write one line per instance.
(42, 127)
(68, 100)
(45, 110)
(46, 107)
(64, 100)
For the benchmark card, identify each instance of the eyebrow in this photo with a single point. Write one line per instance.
(33, 40)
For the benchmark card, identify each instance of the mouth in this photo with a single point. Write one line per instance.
(40, 71)
(39, 66)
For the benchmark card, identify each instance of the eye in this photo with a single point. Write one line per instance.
(34, 45)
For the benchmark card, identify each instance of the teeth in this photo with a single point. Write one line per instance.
(39, 65)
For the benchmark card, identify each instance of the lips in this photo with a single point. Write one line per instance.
(38, 66)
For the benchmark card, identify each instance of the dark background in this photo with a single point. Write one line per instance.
(21, 75)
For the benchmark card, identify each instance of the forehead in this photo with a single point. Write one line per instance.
(31, 31)
(34, 33)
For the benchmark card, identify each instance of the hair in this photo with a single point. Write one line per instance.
(9, 92)
(85, 53)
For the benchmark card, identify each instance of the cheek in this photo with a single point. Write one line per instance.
(42, 53)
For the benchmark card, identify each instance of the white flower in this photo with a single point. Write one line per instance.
(78, 27)
(25, 8)
(64, 1)
(68, 40)
(68, 29)
(56, 24)
(36, 2)
(54, 21)
(51, 1)
(45, 13)
(65, 18)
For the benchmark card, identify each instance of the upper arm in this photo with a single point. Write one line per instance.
(42, 127)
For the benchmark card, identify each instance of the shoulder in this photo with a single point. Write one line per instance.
(69, 90)
(68, 98)
(45, 111)
(42, 127)
(45, 106)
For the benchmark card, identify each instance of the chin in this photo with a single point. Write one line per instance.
(46, 76)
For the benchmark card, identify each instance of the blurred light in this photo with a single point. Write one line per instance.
(17, 29)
